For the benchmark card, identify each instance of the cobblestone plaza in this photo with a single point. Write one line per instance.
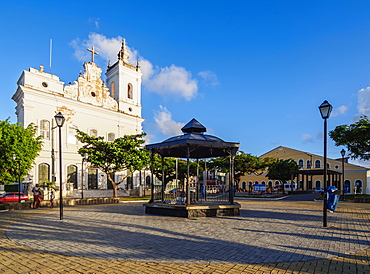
(268, 237)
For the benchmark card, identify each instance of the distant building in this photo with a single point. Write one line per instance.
(356, 178)
(110, 109)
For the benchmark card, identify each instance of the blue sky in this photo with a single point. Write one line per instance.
(252, 72)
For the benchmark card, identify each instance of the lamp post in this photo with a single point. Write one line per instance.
(343, 153)
(59, 119)
(82, 175)
(325, 110)
(19, 177)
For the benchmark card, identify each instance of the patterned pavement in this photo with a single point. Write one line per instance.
(268, 237)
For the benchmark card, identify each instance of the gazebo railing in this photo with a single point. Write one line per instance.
(199, 194)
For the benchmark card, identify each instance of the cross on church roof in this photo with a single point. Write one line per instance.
(92, 53)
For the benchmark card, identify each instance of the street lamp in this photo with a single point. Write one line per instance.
(59, 119)
(84, 158)
(343, 153)
(19, 177)
(325, 110)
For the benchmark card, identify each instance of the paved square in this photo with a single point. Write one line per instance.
(264, 233)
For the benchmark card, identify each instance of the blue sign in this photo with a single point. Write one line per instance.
(258, 187)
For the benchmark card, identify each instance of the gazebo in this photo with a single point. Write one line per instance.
(195, 199)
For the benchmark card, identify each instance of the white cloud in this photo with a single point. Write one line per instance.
(210, 77)
(171, 81)
(339, 111)
(307, 138)
(364, 102)
(166, 125)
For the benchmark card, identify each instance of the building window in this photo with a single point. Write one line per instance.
(300, 163)
(358, 187)
(111, 137)
(317, 164)
(327, 165)
(244, 185)
(72, 135)
(129, 91)
(72, 176)
(92, 178)
(347, 187)
(308, 163)
(44, 171)
(336, 167)
(93, 133)
(318, 183)
(112, 91)
(45, 129)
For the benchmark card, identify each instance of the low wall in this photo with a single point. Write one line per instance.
(66, 202)
(101, 193)
(362, 200)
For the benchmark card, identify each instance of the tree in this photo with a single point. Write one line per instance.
(356, 137)
(123, 154)
(281, 170)
(170, 169)
(243, 164)
(21, 142)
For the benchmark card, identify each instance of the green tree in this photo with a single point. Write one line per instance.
(170, 169)
(21, 142)
(123, 154)
(243, 164)
(356, 137)
(281, 170)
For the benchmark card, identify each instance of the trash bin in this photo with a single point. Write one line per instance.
(332, 198)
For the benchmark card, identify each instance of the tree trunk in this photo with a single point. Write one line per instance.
(114, 184)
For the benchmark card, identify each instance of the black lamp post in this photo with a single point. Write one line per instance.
(325, 110)
(59, 119)
(343, 153)
(19, 177)
(84, 158)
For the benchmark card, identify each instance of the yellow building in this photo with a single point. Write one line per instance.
(356, 178)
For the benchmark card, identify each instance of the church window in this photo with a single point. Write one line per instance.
(111, 137)
(72, 175)
(44, 84)
(44, 170)
(93, 94)
(72, 135)
(45, 129)
(317, 164)
(130, 109)
(112, 91)
(93, 132)
(129, 91)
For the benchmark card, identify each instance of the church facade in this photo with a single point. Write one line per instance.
(356, 178)
(110, 109)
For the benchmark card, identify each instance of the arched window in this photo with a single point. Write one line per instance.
(347, 187)
(263, 183)
(44, 171)
(358, 187)
(277, 183)
(327, 165)
(111, 137)
(300, 163)
(308, 163)
(318, 183)
(72, 135)
(72, 176)
(45, 129)
(93, 132)
(129, 91)
(270, 184)
(244, 185)
(317, 164)
(112, 91)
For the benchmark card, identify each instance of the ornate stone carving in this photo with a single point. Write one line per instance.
(90, 88)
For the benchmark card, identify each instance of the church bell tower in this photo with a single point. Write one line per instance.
(124, 83)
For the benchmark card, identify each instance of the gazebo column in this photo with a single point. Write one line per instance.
(197, 189)
(163, 180)
(231, 177)
(152, 176)
(187, 175)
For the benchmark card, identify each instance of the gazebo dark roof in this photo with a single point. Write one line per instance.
(200, 145)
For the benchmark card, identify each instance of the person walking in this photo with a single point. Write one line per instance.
(52, 197)
(36, 196)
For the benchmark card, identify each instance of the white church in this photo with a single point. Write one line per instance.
(110, 109)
